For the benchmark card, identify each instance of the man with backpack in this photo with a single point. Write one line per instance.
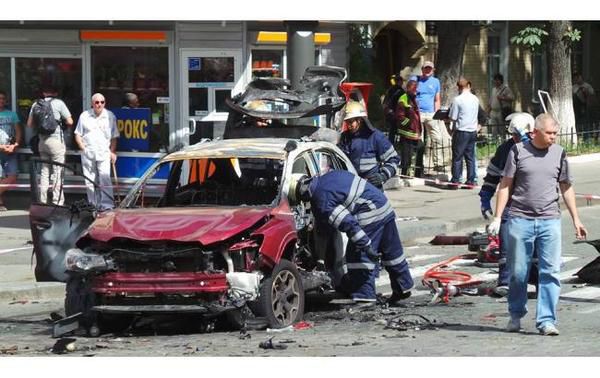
(48, 115)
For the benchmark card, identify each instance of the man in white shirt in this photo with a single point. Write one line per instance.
(96, 135)
(501, 98)
(463, 112)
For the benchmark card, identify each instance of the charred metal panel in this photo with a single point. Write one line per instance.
(54, 230)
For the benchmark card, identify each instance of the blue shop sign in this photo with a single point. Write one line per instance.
(134, 127)
(136, 166)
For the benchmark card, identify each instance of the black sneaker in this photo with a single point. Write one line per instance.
(396, 298)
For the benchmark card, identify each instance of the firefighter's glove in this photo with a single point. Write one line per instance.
(370, 253)
(494, 227)
(486, 206)
(376, 179)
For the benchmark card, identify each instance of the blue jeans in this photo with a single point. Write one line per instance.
(463, 146)
(525, 236)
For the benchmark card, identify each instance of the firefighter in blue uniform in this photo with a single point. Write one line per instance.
(341, 200)
(371, 153)
(520, 126)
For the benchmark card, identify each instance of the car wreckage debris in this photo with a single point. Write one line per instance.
(63, 345)
(269, 344)
(417, 322)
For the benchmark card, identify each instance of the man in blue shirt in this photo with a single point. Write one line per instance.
(437, 140)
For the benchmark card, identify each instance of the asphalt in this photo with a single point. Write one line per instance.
(423, 209)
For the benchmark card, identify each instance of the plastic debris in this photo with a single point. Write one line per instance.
(289, 328)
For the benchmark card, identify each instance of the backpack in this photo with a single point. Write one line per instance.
(43, 117)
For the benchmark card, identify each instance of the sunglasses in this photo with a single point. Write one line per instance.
(98, 102)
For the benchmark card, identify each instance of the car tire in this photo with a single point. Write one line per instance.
(281, 299)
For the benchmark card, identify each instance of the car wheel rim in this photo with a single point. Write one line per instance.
(285, 297)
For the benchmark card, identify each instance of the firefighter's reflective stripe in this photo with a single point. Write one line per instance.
(369, 203)
(360, 265)
(356, 190)
(374, 216)
(366, 164)
(388, 154)
(338, 215)
(493, 170)
(359, 235)
(393, 262)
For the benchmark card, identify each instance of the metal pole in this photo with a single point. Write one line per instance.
(301, 48)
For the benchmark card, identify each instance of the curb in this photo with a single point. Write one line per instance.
(31, 291)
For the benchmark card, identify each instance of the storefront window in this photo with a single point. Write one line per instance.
(267, 63)
(5, 82)
(220, 96)
(211, 70)
(64, 74)
(143, 71)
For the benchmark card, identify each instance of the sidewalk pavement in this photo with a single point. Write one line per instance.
(422, 211)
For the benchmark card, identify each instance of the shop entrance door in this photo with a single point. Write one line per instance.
(209, 76)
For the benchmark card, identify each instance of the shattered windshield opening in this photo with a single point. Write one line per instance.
(215, 182)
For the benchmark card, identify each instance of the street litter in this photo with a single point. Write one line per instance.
(269, 344)
(410, 321)
(63, 345)
(10, 350)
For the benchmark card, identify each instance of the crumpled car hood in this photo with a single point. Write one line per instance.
(205, 225)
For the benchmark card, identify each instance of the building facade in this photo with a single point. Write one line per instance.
(182, 72)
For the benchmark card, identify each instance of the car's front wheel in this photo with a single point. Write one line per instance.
(282, 296)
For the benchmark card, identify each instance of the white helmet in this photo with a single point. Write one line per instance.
(520, 123)
(354, 109)
(298, 189)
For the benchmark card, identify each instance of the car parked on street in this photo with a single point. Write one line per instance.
(218, 237)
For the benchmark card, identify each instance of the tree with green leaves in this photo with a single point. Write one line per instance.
(452, 38)
(556, 38)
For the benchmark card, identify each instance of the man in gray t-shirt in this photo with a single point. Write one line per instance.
(52, 147)
(532, 177)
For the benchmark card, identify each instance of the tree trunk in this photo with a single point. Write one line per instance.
(559, 64)
(452, 38)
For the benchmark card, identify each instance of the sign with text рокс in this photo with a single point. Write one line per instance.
(134, 126)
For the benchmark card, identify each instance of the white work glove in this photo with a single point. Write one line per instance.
(494, 227)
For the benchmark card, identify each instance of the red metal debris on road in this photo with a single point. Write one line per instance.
(302, 325)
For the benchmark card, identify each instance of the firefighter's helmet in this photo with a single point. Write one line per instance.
(520, 123)
(354, 109)
(298, 189)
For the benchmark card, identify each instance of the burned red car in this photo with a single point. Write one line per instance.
(218, 238)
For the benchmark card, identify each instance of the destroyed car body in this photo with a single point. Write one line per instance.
(218, 238)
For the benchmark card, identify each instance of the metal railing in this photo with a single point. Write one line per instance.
(586, 140)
